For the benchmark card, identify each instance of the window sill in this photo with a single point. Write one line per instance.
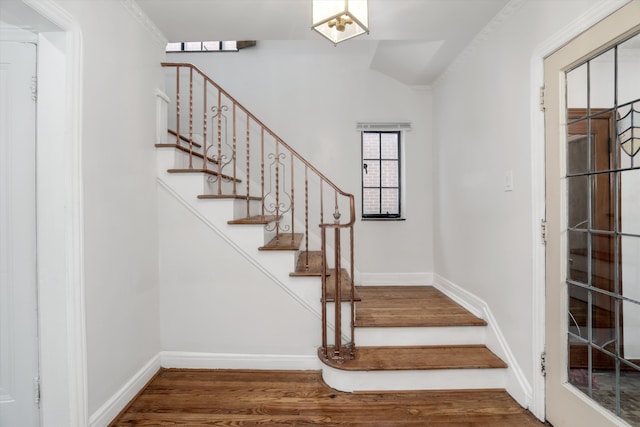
(382, 219)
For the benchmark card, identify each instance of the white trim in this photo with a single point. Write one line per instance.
(72, 249)
(396, 279)
(160, 94)
(162, 106)
(196, 360)
(538, 200)
(516, 383)
(506, 12)
(112, 407)
(462, 297)
(139, 14)
(17, 35)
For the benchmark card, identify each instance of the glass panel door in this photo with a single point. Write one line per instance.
(593, 211)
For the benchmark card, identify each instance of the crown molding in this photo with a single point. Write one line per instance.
(136, 11)
(506, 12)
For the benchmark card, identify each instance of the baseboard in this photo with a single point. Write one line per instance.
(461, 296)
(112, 407)
(392, 279)
(194, 360)
(517, 384)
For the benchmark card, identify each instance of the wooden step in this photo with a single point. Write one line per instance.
(309, 263)
(419, 358)
(284, 242)
(184, 138)
(228, 196)
(187, 151)
(258, 219)
(345, 288)
(396, 306)
(204, 171)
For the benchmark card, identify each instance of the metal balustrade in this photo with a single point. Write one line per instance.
(244, 159)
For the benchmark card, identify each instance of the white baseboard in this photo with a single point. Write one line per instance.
(517, 384)
(193, 360)
(466, 299)
(396, 279)
(112, 407)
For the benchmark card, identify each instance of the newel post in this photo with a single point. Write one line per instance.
(162, 108)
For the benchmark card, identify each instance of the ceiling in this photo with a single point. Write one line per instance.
(416, 39)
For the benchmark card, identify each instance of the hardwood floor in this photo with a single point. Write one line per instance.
(410, 306)
(300, 398)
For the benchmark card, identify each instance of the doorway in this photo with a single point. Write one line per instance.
(19, 377)
(593, 216)
(63, 389)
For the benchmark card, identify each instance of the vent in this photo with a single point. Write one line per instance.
(383, 126)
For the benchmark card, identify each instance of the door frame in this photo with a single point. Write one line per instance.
(598, 12)
(59, 213)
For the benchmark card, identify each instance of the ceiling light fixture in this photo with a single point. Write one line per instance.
(340, 20)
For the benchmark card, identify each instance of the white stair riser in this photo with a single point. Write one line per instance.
(165, 159)
(409, 336)
(437, 379)
(182, 159)
(210, 185)
(240, 208)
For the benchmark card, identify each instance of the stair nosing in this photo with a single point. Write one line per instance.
(494, 362)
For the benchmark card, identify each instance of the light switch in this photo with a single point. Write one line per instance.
(508, 181)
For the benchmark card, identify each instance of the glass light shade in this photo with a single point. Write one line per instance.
(340, 20)
(629, 132)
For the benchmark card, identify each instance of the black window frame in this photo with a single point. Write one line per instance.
(380, 187)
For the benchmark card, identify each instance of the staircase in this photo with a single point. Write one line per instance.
(277, 209)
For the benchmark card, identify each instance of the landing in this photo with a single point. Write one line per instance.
(391, 306)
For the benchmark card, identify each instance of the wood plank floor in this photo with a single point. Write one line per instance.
(300, 398)
(388, 306)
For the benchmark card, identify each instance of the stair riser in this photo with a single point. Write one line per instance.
(182, 159)
(410, 336)
(240, 208)
(440, 379)
(210, 185)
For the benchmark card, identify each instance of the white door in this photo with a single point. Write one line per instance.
(18, 296)
(592, 131)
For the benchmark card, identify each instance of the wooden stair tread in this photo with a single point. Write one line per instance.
(258, 219)
(345, 287)
(314, 267)
(186, 150)
(228, 196)
(396, 306)
(420, 358)
(204, 171)
(284, 242)
(184, 138)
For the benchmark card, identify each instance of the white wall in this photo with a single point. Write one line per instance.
(482, 234)
(213, 300)
(121, 71)
(312, 94)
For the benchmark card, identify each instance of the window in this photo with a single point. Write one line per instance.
(209, 46)
(381, 178)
